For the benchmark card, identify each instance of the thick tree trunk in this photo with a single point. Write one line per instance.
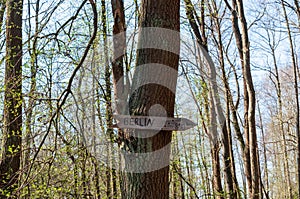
(10, 163)
(148, 174)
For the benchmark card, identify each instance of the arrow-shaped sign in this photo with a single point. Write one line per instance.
(153, 123)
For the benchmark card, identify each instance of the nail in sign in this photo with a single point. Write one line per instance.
(153, 123)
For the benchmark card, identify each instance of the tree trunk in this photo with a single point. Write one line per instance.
(281, 126)
(231, 181)
(32, 92)
(119, 43)
(250, 149)
(96, 178)
(297, 10)
(2, 10)
(250, 116)
(266, 174)
(119, 46)
(295, 70)
(201, 40)
(11, 157)
(111, 191)
(251, 104)
(147, 158)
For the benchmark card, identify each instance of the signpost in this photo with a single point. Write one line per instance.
(153, 123)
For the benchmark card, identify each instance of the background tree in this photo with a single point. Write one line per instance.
(12, 130)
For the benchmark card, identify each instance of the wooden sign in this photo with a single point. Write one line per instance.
(153, 123)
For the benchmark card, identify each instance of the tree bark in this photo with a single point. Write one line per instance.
(2, 10)
(153, 182)
(111, 184)
(240, 29)
(231, 181)
(296, 2)
(119, 43)
(11, 157)
(266, 173)
(297, 114)
(119, 46)
(251, 103)
(32, 92)
(215, 146)
(281, 126)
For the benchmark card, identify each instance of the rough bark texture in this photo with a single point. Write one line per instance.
(2, 10)
(10, 163)
(155, 183)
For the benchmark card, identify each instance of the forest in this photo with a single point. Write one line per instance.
(149, 99)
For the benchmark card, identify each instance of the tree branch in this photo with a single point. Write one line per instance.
(68, 90)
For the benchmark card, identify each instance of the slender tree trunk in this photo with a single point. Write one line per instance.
(266, 173)
(296, 2)
(179, 191)
(202, 162)
(95, 100)
(111, 191)
(295, 69)
(231, 181)
(234, 115)
(32, 91)
(244, 142)
(119, 45)
(12, 131)
(251, 148)
(231, 187)
(215, 149)
(281, 127)
(251, 105)
(201, 40)
(176, 168)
